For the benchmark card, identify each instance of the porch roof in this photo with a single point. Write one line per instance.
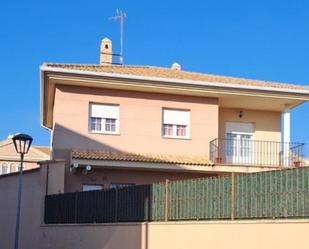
(142, 157)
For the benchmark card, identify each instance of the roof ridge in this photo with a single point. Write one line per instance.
(94, 65)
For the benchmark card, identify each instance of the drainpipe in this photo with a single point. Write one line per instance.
(286, 136)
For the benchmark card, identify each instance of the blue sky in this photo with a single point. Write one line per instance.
(255, 39)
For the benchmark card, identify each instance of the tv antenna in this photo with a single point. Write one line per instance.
(120, 16)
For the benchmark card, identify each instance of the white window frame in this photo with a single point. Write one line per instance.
(7, 168)
(174, 126)
(103, 119)
(238, 129)
(12, 165)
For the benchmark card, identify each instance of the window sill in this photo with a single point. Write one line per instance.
(104, 133)
(178, 138)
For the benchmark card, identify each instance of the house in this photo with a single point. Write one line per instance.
(118, 125)
(9, 160)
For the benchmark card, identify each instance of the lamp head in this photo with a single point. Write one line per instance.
(22, 143)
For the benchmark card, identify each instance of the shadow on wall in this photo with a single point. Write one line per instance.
(139, 95)
(131, 204)
(80, 142)
(68, 139)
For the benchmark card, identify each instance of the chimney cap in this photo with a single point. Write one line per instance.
(176, 66)
(106, 39)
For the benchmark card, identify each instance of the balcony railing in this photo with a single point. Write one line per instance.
(256, 153)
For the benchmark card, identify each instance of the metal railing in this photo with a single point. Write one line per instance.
(256, 152)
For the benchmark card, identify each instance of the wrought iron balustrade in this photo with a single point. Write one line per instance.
(256, 152)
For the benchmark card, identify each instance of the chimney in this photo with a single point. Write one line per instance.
(176, 66)
(106, 57)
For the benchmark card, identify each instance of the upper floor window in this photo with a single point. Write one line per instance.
(176, 123)
(104, 118)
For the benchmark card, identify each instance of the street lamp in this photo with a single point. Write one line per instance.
(22, 143)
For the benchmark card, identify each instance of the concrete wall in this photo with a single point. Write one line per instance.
(179, 235)
(172, 235)
(30, 208)
(140, 121)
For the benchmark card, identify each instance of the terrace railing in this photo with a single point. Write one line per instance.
(256, 152)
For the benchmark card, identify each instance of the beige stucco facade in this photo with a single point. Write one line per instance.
(140, 131)
(267, 124)
(11, 160)
(140, 121)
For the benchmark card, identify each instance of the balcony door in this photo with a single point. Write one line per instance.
(239, 143)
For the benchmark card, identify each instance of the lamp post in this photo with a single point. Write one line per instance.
(22, 143)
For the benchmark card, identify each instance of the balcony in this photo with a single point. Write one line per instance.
(256, 153)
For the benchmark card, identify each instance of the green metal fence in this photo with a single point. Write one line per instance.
(273, 194)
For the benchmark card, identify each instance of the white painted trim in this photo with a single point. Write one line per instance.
(286, 136)
(44, 68)
(287, 126)
(111, 164)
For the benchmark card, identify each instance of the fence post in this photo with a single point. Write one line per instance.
(76, 196)
(116, 204)
(166, 199)
(233, 197)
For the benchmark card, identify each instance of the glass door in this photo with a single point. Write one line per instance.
(239, 143)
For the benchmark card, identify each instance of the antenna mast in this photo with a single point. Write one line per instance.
(120, 16)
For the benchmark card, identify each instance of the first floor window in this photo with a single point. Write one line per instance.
(5, 168)
(121, 185)
(12, 167)
(104, 118)
(91, 187)
(176, 123)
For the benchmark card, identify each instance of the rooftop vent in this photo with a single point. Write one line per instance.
(176, 66)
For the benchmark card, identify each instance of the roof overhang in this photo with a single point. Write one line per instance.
(229, 95)
(169, 167)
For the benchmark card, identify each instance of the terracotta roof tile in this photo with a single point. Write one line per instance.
(162, 72)
(142, 157)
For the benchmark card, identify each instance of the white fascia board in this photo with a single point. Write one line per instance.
(42, 90)
(177, 81)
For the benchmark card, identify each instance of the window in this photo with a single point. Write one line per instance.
(12, 167)
(239, 143)
(91, 187)
(104, 118)
(5, 168)
(176, 123)
(121, 185)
